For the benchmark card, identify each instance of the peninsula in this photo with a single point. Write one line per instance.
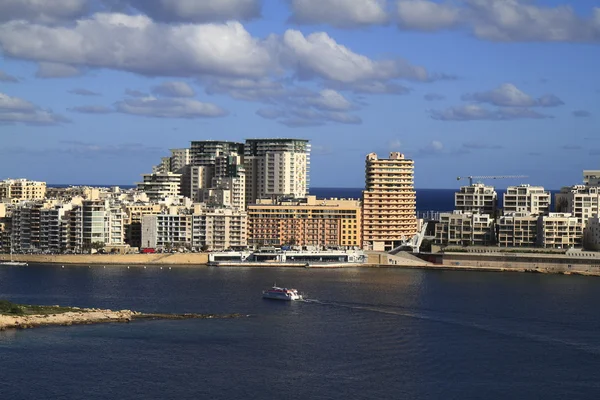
(17, 316)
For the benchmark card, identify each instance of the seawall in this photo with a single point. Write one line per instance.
(179, 259)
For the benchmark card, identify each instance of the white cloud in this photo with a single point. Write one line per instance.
(270, 113)
(16, 110)
(473, 112)
(4, 77)
(339, 13)
(198, 10)
(55, 70)
(508, 95)
(174, 89)
(426, 15)
(331, 100)
(502, 20)
(44, 11)
(318, 55)
(304, 117)
(169, 108)
(261, 89)
(137, 44)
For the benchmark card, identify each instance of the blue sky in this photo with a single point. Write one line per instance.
(96, 91)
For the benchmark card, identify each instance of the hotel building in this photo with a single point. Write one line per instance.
(389, 202)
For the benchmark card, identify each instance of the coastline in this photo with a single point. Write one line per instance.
(175, 259)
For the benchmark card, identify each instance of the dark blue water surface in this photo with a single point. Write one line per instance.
(374, 334)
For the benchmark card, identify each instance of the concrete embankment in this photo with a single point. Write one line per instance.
(175, 259)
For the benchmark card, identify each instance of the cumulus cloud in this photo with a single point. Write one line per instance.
(318, 55)
(261, 90)
(501, 20)
(138, 44)
(473, 112)
(135, 93)
(303, 117)
(198, 11)
(508, 95)
(83, 92)
(92, 109)
(16, 110)
(339, 13)
(434, 97)
(174, 89)
(331, 100)
(581, 113)
(373, 87)
(48, 11)
(4, 77)
(169, 108)
(55, 70)
(270, 113)
(426, 15)
(435, 147)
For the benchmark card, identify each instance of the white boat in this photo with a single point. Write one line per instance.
(279, 293)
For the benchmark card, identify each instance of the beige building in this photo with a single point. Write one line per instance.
(526, 199)
(518, 230)
(166, 231)
(582, 202)
(276, 167)
(591, 177)
(465, 229)
(559, 231)
(476, 198)
(305, 222)
(16, 190)
(134, 213)
(591, 234)
(160, 186)
(389, 202)
(219, 228)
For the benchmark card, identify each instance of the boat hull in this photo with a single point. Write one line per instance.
(14, 263)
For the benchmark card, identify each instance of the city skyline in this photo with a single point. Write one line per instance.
(474, 87)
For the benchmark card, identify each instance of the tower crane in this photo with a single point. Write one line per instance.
(470, 178)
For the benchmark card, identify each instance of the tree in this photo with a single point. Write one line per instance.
(204, 248)
(97, 245)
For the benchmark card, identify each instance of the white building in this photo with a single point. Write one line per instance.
(559, 231)
(526, 199)
(276, 167)
(591, 234)
(166, 231)
(179, 159)
(465, 229)
(476, 198)
(582, 202)
(159, 186)
(219, 228)
(591, 177)
(518, 230)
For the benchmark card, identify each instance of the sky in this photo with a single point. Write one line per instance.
(96, 91)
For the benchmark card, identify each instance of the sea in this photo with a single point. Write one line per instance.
(365, 334)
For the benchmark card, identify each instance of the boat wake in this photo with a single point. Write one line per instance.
(490, 324)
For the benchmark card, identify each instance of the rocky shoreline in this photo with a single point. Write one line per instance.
(88, 316)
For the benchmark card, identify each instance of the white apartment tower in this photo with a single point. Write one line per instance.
(476, 198)
(526, 199)
(276, 168)
(389, 202)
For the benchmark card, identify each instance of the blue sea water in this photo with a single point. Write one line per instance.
(374, 333)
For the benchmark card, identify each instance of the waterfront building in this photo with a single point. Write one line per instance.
(160, 186)
(16, 190)
(133, 220)
(591, 234)
(219, 228)
(54, 228)
(465, 229)
(276, 168)
(559, 231)
(102, 223)
(526, 199)
(582, 202)
(389, 202)
(477, 199)
(305, 222)
(518, 230)
(591, 177)
(166, 231)
(179, 159)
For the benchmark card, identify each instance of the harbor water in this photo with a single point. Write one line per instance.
(366, 333)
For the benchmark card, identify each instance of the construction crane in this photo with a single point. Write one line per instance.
(470, 178)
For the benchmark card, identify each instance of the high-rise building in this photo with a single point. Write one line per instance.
(582, 202)
(389, 202)
(591, 177)
(476, 198)
(526, 199)
(205, 152)
(276, 167)
(179, 159)
(159, 186)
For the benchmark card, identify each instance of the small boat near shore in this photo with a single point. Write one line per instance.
(14, 263)
(280, 293)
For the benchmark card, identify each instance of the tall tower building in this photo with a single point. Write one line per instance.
(389, 202)
(276, 168)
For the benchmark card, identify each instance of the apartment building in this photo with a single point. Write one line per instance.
(582, 202)
(54, 228)
(559, 231)
(591, 234)
(219, 228)
(166, 231)
(205, 152)
(133, 220)
(16, 190)
(159, 186)
(102, 223)
(465, 229)
(591, 177)
(526, 199)
(518, 230)
(389, 202)
(305, 222)
(179, 159)
(477, 199)
(276, 168)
